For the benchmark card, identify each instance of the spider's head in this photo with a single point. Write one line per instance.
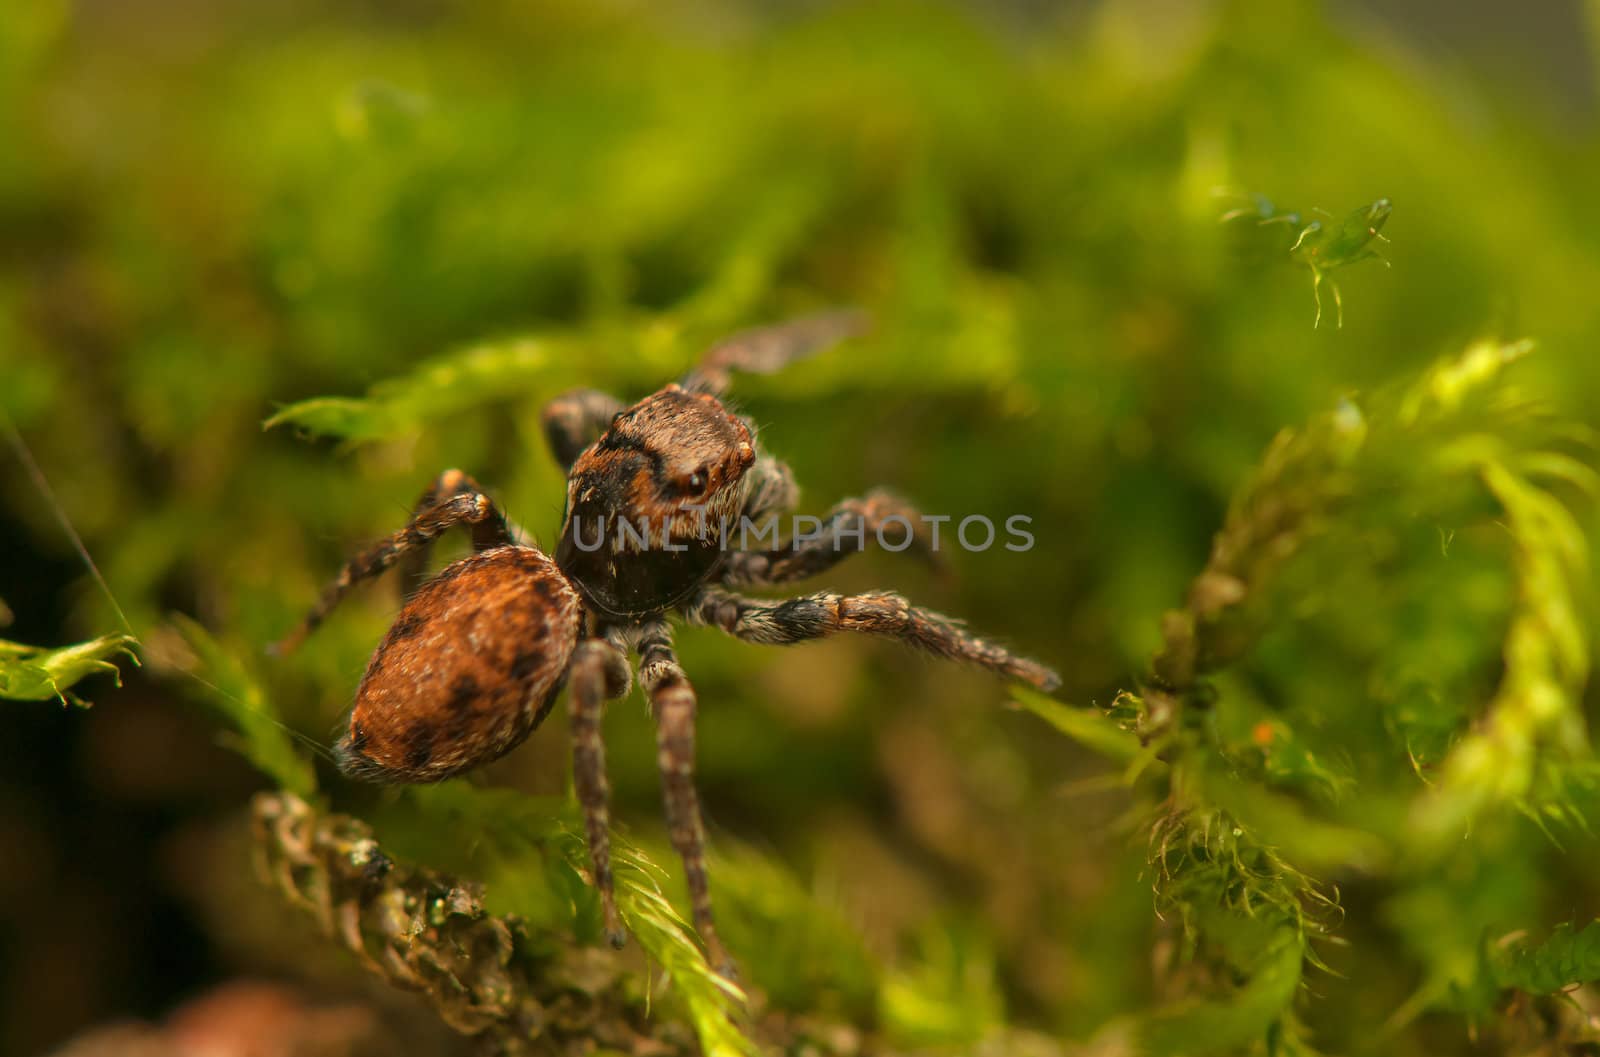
(648, 502)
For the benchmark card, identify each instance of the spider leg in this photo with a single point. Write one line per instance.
(599, 671)
(815, 616)
(574, 420)
(672, 702)
(845, 531)
(768, 349)
(771, 490)
(485, 535)
(463, 508)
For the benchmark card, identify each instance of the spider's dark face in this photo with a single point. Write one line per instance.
(647, 503)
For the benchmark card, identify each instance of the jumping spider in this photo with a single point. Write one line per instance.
(479, 652)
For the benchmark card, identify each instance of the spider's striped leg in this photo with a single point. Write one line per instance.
(847, 529)
(413, 565)
(769, 349)
(574, 420)
(816, 616)
(770, 490)
(599, 672)
(463, 508)
(672, 702)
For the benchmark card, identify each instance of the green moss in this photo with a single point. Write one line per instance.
(33, 673)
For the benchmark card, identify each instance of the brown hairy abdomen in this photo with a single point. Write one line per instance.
(468, 670)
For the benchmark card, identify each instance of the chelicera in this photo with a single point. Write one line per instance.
(480, 652)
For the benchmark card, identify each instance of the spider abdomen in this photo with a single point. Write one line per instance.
(469, 669)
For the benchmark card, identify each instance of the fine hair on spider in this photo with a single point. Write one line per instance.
(480, 652)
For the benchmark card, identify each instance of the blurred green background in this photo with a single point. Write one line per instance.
(211, 211)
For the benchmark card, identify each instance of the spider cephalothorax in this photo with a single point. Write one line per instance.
(647, 504)
(480, 652)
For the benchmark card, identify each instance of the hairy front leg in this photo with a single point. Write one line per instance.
(672, 703)
(769, 349)
(413, 565)
(575, 420)
(817, 616)
(771, 490)
(847, 529)
(463, 508)
(599, 672)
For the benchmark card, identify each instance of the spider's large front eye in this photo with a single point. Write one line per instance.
(691, 484)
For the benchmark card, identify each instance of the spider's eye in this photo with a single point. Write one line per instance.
(691, 484)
